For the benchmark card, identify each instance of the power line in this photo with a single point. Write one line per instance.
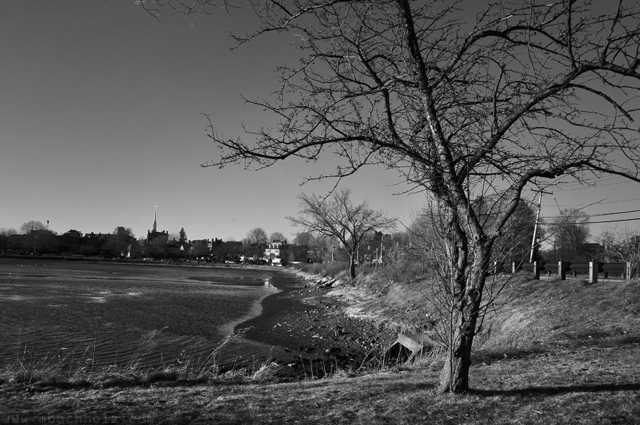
(597, 215)
(599, 203)
(614, 213)
(560, 223)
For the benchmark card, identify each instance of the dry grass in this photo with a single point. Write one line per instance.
(63, 371)
(562, 388)
(564, 313)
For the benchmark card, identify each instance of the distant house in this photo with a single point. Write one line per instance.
(273, 252)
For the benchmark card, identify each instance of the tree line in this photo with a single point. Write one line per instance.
(333, 228)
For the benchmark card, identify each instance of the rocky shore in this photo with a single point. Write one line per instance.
(317, 330)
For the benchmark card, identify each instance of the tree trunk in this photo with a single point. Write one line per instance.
(352, 266)
(455, 373)
(464, 318)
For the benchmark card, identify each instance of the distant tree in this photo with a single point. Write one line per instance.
(277, 236)
(304, 239)
(31, 226)
(515, 242)
(124, 231)
(4, 237)
(570, 234)
(182, 237)
(338, 217)
(255, 242)
(621, 244)
(120, 242)
(8, 232)
(256, 236)
(139, 247)
(309, 247)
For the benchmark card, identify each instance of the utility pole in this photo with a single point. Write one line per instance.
(535, 228)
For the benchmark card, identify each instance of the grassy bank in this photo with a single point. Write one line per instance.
(557, 352)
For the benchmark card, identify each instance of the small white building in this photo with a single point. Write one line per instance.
(272, 253)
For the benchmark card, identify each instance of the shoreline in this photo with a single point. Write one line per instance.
(255, 311)
(310, 325)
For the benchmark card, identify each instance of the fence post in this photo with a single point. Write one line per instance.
(627, 272)
(593, 272)
(536, 270)
(562, 271)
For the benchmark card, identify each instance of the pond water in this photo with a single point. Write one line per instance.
(80, 314)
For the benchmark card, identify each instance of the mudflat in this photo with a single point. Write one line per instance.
(120, 314)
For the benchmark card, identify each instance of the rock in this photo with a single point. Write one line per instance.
(332, 351)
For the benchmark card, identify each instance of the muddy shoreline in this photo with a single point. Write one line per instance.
(313, 327)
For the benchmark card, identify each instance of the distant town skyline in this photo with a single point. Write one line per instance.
(102, 121)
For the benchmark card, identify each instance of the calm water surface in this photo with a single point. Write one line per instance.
(104, 314)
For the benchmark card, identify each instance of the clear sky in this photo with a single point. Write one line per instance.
(101, 121)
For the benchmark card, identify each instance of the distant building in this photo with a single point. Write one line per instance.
(154, 237)
(273, 252)
(200, 247)
(70, 241)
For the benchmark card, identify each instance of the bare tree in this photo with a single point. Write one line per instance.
(31, 226)
(524, 94)
(314, 244)
(256, 236)
(8, 232)
(337, 216)
(621, 244)
(570, 234)
(277, 236)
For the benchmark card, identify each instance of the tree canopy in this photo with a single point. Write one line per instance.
(570, 234)
(277, 236)
(31, 226)
(340, 218)
(256, 236)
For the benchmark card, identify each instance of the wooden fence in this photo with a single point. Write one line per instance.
(591, 269)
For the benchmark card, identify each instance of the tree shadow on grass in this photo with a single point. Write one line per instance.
(546, 391)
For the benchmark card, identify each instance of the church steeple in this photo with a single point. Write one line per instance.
(155, 221)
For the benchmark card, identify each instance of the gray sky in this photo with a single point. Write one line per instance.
(101, 121)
